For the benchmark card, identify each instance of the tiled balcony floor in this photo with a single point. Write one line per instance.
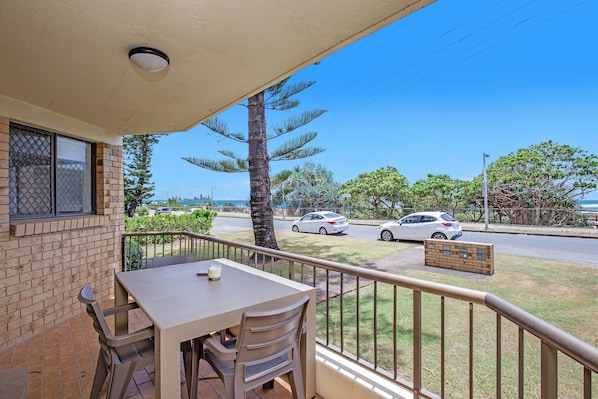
(60, 363)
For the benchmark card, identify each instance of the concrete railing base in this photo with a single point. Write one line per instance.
(339, 378)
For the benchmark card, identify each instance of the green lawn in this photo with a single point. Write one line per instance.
(562, 293)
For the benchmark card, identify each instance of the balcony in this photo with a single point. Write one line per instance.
(378, 335)
(60, 364)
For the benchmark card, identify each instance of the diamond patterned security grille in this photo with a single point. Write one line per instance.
(70, 178)
(30, 172)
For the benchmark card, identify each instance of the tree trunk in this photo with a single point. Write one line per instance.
(130, 209)
(259, 174)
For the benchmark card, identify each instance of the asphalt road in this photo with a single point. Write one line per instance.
(571, 249)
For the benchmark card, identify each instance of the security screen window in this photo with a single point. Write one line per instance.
(73, 176)
(50, 175)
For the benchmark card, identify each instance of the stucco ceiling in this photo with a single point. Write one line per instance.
(70, 57)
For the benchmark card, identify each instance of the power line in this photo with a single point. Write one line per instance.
(454, 43)
(504, 40)
(394, 61)
(447, 60)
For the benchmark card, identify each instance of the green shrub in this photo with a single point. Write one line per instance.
(134, 255)
(199, 221)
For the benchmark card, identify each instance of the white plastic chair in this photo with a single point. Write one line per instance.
(121, 355)
(267, 347)
(170, 260)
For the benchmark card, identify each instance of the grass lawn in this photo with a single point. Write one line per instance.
(562, 293)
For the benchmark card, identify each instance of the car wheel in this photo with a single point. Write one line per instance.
(438, 236)
(296, 229)
(323, 231)
(386, 235)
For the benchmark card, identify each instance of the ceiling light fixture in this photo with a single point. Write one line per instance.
(149, 59)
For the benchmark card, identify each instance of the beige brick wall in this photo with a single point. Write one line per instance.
(44, 263)
(465, 256)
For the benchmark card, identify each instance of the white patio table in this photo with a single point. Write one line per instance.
(183, 305)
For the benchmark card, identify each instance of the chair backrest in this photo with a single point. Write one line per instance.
(97, 315)
(267, 335)
(170, 260)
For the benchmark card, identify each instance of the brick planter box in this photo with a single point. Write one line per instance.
(473, 257)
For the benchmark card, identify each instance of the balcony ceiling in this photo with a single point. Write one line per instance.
(71, 57)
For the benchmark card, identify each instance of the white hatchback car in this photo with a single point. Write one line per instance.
(420, 226)
(323, 222)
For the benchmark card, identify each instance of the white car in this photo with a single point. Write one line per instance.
(323, 222)
(420, 226)
(163, 211)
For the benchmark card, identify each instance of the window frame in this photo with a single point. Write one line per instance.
(14, 127)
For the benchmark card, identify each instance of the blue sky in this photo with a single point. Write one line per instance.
(428, 94)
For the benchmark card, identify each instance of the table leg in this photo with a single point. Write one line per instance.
(308, 348)
(121, 297)
(167, 366)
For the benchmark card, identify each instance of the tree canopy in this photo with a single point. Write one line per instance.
(383, 190)
(438, 192)
(542, 176)
(311, 186)
(275, 98)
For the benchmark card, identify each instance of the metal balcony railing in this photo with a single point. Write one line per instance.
(432, 339)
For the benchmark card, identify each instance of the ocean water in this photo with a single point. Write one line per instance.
(585, 204)
(201, 201)
(589, 205)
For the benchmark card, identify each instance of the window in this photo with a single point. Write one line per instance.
(49, 175)
(447, 218)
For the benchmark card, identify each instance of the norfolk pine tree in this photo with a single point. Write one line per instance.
(257, 163)
(137, 155)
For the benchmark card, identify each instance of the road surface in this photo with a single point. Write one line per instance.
(571, 249)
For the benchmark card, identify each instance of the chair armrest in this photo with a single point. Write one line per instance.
(126, 339)
(218, 349)
(120, 309)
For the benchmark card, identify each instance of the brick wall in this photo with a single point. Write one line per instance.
(44, 263)
(465, 256)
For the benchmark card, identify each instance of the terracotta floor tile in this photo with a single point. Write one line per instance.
(61, 364)
(146, 391)
(35, 394)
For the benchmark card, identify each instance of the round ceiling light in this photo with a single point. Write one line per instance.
(149, 59)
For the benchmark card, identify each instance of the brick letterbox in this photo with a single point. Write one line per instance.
(473, 257)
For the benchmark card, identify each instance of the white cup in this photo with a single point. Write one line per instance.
(214, 272)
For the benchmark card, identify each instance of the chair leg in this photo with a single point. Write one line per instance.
(296, 382)
(120, 377)
(268, 385)
(230, 388)
(99, 378)
(191, 355)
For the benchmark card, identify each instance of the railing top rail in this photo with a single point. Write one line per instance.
(568, 344)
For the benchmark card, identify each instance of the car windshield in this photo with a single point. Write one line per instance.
(447, 217)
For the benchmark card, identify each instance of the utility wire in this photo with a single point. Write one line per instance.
(504, 40)
(448, 46)
(516, 25)
(424, 45)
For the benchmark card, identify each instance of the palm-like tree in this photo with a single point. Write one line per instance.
(276, 98)
(137, 154)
